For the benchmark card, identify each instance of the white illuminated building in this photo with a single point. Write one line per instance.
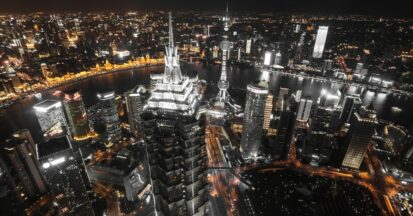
(174, 92)
(267, 58)
(320, 41)
(49, 113)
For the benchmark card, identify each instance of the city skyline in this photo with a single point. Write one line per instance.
(213, 112)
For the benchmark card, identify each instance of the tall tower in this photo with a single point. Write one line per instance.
(304, 109)
(109, 115)
(320, 41)
(175, 141)
(253, 119)
(360, 134)
(22, 157)
(76, 114)
(50, 113)
(219, 112)
(63, 176)
(134, 106)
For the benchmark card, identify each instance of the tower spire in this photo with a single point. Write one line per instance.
(171, 33)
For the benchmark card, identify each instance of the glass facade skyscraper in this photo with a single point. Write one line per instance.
(253, 119)
(320, 41)
(109, 115)
(76, 114)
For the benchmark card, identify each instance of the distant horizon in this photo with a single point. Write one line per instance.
(395, 8)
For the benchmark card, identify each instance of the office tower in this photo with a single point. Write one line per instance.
(360, 134)
(24, 167)
(268, 58)
(108, 111)
(328, 65)
(304, 109)
(63, 176)
(127, 169)
(350, 105)
(297, 28)
(358, 69)
(253, 119)
(239, 54)
(50, 113)
(277, 58)
(285, 128)
(268, 111)
(328, 99)
(134, 107)
(175, 140)
(215, 52)
(298, 57)
(76, 115)
(248, 46)
(297, 96)
(280, 99)
(320, 41)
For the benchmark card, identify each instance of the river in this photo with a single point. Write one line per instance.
(21, 115)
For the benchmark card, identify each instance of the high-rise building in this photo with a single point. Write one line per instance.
(280, 99)
(277, 58)
(304, 109)
(320, 41)
(253, 119)
(24, 167)
(50, 113)
(269, 101)
(248, 46)
(328, 99)
(134, 107)
(108, 110)
(285, 128)
(298, 57)
(268, 58)
(175, 140)
(76, 114)
(63, 176)
(360, 134)
(351, 104)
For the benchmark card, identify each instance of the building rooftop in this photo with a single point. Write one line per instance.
(52, 146)
(46, 105)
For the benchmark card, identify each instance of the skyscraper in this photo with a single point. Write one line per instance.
(175, 140)
(63, 176)
(280, 99)
(269, 101)
(304, 109)
(109, 115)
(76, 114)
(285, 128)
(351, 103)
(253, 119)
(49, 113)
(134, 107)
(24, 167)
(360, 134)
(268, 58)
(320, 41)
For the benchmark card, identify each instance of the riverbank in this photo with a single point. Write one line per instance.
(90, 74)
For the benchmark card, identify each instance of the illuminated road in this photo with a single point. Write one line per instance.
(223, 184)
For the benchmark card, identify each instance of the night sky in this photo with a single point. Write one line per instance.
(397, 8)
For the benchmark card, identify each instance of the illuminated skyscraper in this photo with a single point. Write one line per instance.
(248, 46)
(49, 113)
(268, 58)
(175, 140)
(76, 114)
(253, 119)
(360, 134)
(109, 115)
(134, 106)
(351, 104)
(24, 167)
(268, 111)
(304, 109)
(63, 176)
(320, 41)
